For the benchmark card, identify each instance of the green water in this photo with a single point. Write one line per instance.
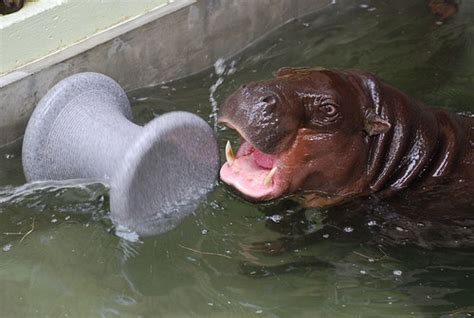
(58, 257)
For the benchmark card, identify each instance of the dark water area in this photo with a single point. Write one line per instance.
(59, 257)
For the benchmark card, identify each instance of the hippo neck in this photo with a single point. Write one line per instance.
(422, 143)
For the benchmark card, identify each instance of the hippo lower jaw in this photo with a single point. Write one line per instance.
(254, 174)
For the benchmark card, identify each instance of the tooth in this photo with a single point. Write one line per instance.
(229, 153)
(269, 176)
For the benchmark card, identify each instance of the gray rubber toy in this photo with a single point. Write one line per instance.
(157, 173)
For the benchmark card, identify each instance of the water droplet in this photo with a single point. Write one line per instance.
(397, 272)
(219, 66)
(215, 205)
(232, 69)
(276, 218)
(204, 232)
(348, 229)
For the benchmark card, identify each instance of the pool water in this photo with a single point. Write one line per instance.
(60, 258)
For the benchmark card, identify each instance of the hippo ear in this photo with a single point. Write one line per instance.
(374, 124)
(288, 71)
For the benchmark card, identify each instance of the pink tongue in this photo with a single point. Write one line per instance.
(263, 160)
(245, 149)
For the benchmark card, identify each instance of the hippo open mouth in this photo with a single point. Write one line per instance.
(296, 136)
(253, 173)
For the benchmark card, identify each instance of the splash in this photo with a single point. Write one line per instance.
(221, 70)
(63, 196)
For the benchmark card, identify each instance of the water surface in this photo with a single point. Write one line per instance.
(58, 257)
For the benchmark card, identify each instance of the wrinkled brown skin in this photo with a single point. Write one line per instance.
(380, 141)
(10, 6)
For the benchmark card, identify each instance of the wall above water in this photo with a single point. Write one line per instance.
(42, 27)
(168, 42)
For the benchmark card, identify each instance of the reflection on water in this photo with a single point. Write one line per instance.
(234, 258)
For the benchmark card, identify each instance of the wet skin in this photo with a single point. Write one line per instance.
(330, 136)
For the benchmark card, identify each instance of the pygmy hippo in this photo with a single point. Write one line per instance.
(334, 135)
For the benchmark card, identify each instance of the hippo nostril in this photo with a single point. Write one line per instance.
(270, 100)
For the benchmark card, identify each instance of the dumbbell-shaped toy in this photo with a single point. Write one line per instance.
(157, 174)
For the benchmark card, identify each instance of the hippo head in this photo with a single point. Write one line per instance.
(307, 130)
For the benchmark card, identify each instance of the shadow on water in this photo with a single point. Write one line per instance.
(366, 258)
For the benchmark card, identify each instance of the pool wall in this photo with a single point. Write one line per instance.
(171, 42)
(42, 27)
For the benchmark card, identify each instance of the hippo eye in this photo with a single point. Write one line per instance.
(329, 109)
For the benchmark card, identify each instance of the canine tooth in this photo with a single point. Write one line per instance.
(269, 176)
(229, 153)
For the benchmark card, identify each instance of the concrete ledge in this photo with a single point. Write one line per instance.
(42, 27)
(91, 42)
(184, 38)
